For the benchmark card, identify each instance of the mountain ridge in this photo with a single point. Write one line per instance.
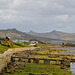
(55, 35)
(16, 34)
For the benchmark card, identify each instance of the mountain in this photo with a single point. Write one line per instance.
(55, 35)
(15, 34)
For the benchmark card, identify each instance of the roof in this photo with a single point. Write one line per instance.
(33, 40)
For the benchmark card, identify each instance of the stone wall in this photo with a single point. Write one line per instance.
(5, 58)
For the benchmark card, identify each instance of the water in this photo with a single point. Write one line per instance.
(72, 69)
(72, 52)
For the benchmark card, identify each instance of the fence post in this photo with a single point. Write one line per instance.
(57, 62)
(35, 60)
(46, 61)
(66, 63)
(29, 60)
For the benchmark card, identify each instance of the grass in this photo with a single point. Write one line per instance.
(46, 45)
(46, 57)
(3, 49)
(51, 51)
(38, 69)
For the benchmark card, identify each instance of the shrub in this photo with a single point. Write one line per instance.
(26, 43)
(19, 44)
(8, 44)
(2, 39)
(35, 45)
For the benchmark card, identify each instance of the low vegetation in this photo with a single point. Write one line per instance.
(2, 39)
(51, 51)
(3, 49)
(19, 44)
(8, 44)
(38, 69)
(46, 45)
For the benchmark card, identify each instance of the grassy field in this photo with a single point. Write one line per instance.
(3, 49)
(51, 51)
(38, 69)
(46, 45)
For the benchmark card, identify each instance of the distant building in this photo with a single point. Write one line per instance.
(15, 40)
(20, 41)
(7, 38)
(1, 41)
(23, 41)
(31, 44)
(33, 41)
(56, 42)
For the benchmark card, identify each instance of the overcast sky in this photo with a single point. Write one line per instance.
(38, 15)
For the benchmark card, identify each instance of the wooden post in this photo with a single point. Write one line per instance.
(16, 59)
(35, 60)
(61, 62)
(12, 59)
(46, 61)
(50, 62)
(29, 60)
(19, 59)
(66, 63)
(57, 62)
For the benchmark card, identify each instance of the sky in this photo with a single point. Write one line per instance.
(38, 15)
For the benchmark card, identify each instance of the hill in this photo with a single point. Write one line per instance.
(55, 35)
(15, 34)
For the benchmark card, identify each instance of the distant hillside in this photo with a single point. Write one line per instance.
(15, 34)
(55, 35)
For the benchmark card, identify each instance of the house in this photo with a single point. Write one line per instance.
(33, 41)
(1, 41)
(56, 42)
(15, 40)
(32, 44)
(23, 41)
(7, 38)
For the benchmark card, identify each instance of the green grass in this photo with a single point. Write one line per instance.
(51, 51)
(49, 45)
(38, 69)
(3, 49)
(45, 45)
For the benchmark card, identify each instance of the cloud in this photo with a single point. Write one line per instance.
(63, 18)
(35, 14)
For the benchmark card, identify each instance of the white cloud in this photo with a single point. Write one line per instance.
(63, 18)
(38, 13)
